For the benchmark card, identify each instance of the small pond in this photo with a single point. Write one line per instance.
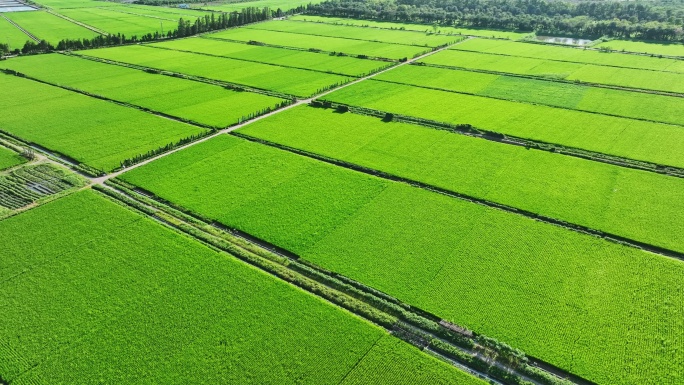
(563, 40)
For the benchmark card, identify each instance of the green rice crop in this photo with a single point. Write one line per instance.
(9, 158)
(572, 54)
(622, 77)
(77, 3)
(653, 48)
(98, 133)
(12, 35)
(350, 32)
(661, 108)
(199, 102)
(173, 14)
(329, 44)
(265, 76)
(568, 298)
(634, 139)
(118, 22)
(279, 56)
(412, 27)
(49, 27)
(99, 292)
(634, 204)
(232, 6)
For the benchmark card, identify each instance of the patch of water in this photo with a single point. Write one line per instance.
(563, 40)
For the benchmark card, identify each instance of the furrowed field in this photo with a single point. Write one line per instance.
(379, 35)
(48, 27)
(344, 65)
(117, 310)
(561, 70)
(638, 105)
(328, 44)
(652, 142)
(264, 76)
(562, 187)
(672, 49)
(98, 133)
(411, 27)
(199, 102)
(568, 298)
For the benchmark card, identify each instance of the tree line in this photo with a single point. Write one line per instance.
(648, 21)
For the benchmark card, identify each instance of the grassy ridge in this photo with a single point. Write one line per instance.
(653, 142)
(588, 73)
(565, 297)
(200, 102)
(660, 108)
(49, 27)
(332, 44)
(107, 295)
(671, 49)
(278, 56)
(98, 133)
(281, 79)
(348, 32)
(635, 204)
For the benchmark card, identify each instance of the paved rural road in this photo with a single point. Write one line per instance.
(102, 179)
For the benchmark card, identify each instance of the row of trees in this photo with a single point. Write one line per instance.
(592, 19)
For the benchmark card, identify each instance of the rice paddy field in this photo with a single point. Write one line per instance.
(325, 43)
(344, 65)
(271, 331)
(12, 35)
(303, 201)
(264, 76)
(51, 28)
(442, 254)
(199, 102)
(412, 27)
(95, 132)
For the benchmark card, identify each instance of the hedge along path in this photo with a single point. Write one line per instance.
(103, 179)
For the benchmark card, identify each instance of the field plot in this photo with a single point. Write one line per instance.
(95, 132)
(187, 99)
(161, 12)
(328, 44)
(630, 104)
(49, 27)
(123, 23)
(634, 139)
(11, 35)
(77, 3)
(559, 53)
(9, 158)
(264, 76)
(349, 32)
(279, 56)
(565, 297)
(231, 6)
(562, 187)
(86, 302)
(615, 76)
(412, 27)
(669, 49)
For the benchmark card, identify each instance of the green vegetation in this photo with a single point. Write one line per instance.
(562, 187)
(646, 141)
(412, 27)
(118, 22)
(639, 105)
(232, 6)
(77, 3)
(49, 27)
(191, 100)
(83, 302)
(270, 77)
(588, 73)
(568, 298)
(328, 44)
(9, 158)
(349, 32)
(279, 56)
(653, 48)
(32, 183)
(98, 133)
(11, 35)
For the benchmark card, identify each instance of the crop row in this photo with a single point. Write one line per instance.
(574, 72)
(627, 138)
(26, 185)
(527, 283)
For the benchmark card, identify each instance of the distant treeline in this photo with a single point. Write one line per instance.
(206, 23)
(648, 21)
